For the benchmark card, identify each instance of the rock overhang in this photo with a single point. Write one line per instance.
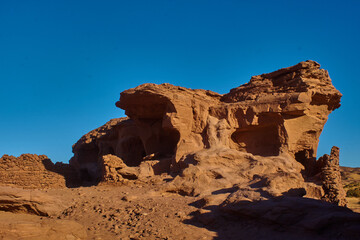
(269, 102)
(208, 141)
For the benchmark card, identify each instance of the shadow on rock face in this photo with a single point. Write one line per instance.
(71, 176)
(277, 218)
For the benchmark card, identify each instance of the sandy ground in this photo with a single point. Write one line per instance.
(350, 178)
(141, 211)
(130, 212)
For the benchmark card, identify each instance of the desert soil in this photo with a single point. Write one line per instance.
(144, 211)
(125, 212)
(350, 178)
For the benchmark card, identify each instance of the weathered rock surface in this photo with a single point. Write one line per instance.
(115, 170)
(283, 111)
(35, 171)
(118, 137)
(26, 214)
(261, 137)
(30, 227)
(303, 218)
(29, 201)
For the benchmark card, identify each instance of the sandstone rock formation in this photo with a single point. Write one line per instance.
(28, 201)
(283, 111)
(191, 164)
(261, 137)
(30, 227)
(118, 137)
(35, 171)
(27, 214)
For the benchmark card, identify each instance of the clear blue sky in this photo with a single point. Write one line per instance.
(64, 63)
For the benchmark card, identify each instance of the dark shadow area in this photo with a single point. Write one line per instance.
(131, 150)
(258, 140)
(163, 166)
(277, 218)
(225, 190)
(307, 159)
(156, 138)
(295, 192)
(72, 178)
(263, 138)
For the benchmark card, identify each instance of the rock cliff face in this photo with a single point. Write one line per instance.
(260, 137)
(283, 111)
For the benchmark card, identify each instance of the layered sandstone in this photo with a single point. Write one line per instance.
(283, 111)
(261, 137)
(14, 199)
(35, 171)
(25, 226)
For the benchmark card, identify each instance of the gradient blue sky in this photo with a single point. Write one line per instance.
(64, 63)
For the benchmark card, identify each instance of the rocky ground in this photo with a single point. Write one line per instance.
(137, 210)
(131, 212)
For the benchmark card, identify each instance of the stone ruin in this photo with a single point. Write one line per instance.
(32, 171)
(258, 141)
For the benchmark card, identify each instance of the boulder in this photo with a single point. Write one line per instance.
(118, 137)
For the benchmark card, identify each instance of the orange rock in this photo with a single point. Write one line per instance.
(261, 136)
(35, 171)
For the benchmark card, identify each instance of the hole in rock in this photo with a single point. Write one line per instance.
(131, 151)
(85, 175)
(154, 127)
(111, 151)
(169, 139)
(258, 140)
(157, 139)
(307, 159)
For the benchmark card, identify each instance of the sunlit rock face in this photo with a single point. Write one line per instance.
(33, 171)
(262, 134)
(283, 111)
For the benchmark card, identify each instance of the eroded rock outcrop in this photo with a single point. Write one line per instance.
(118, 137)
(25, 226)
(260, 138)
(283, 111)
(32, 214)
(28, 201)
(36, 171)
